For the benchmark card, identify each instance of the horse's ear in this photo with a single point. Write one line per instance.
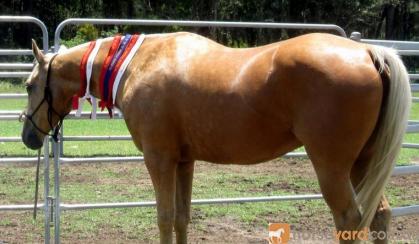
(37, 53)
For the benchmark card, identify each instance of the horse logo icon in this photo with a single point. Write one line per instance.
(279, 233)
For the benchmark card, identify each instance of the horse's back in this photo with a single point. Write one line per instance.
(247, 105)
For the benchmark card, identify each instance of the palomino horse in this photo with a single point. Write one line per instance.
(187, 98)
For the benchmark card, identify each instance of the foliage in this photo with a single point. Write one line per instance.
(391, 19)
(375, 19)
(88, 32)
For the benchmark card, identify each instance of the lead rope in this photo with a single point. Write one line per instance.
(35, 205)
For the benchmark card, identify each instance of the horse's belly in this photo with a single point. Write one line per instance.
(241, 144)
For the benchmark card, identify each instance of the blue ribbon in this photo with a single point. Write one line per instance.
(114, 60)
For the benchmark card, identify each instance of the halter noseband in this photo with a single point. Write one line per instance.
(48, 99)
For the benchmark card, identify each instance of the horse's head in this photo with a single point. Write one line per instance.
(47, 101)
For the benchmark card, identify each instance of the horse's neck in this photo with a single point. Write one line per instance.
(66, 68)
(68, 64)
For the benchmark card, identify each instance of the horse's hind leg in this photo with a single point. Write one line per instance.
(333, 155)
(335, 184)
(184, 178)
(382, 217)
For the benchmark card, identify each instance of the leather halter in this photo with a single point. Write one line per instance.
(48, 98)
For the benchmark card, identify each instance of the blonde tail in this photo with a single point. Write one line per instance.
(391, 129)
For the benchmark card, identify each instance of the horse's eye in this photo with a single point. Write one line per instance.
(28, 88)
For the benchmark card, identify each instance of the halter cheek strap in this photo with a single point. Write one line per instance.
(48, 98)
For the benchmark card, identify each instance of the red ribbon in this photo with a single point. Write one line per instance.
(114, 47)
(124, 55)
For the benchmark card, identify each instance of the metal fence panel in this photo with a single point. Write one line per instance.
(19, 66)
(409, 48)
(147, 22)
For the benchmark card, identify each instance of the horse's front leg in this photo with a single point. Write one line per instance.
(184, 178)
(162, 168)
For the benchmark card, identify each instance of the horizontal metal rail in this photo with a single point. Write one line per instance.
(401, 45)
(113, 159)
(17, 52)
(13, 96)
(75, 138)
(147, 22)
(96, 138)
(16, 65)
(403, 170)
(399, 170)
(64, 160)
(194, 202)
(20, 207)
(403, 211)
(410, 145)
(101, 160)
(408, 52)
(412, 128)
(7, 160)
(414, 77)
(14, 115)
(396, 212)
(11, 139)
(7, 74)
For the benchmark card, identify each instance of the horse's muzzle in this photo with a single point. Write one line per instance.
(30, 137)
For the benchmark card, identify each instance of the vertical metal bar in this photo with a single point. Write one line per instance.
(46, 191)
(57, 208)
(61, 140)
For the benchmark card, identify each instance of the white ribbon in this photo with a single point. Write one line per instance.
(89, 70)
(124, 66)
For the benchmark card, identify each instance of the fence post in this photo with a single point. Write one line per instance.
(57, 207)
(46, 191)
(356, 36)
